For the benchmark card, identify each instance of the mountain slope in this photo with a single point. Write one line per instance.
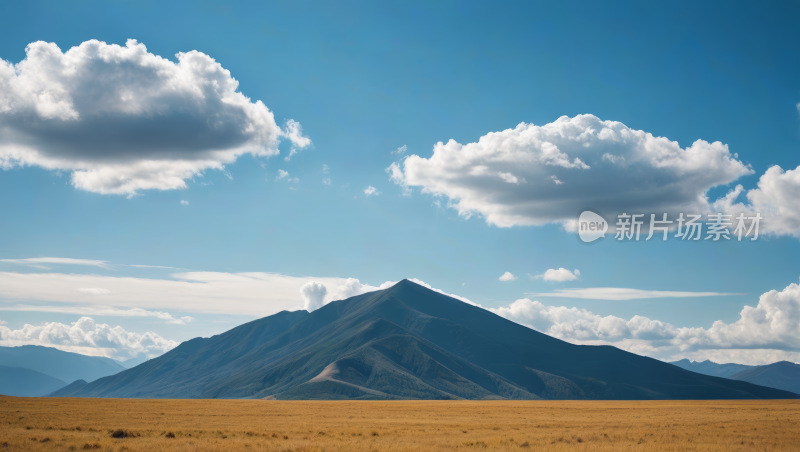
(58, 364)
(782, 375)
(711, 368)
(19, 382)
(405, 342)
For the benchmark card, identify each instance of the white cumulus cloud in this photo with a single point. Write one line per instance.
(371, 191)
(507, 276)
(534, 175)
(87, 337)
(559, 275)
(313, 294)
(123, 120)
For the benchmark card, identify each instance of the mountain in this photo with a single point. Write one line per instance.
(782, 375)
(19, 382)
(405, 342)
(64, 366)
(711, 368)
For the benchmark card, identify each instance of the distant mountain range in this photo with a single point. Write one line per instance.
(781, 375)
(405, 342)
(32, 370)
(19, 382)
(711, 368)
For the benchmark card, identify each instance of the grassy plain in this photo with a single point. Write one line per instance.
(255, 425)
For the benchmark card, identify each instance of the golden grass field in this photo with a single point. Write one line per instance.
(88, 424)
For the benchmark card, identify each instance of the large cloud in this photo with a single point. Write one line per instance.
(765, 333)
(124, 120)
(533, 175)
(88, 337)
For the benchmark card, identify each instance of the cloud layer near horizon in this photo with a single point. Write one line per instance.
(534, 175)
(89, 338)
(122, 120)
(766, 332)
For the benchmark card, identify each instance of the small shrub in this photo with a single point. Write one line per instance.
(77, 429)
(375, 434)
(44, 440)
(28, 427)
(119, 433)
(525, 444)
(274, 435)
(170, 435)
(285, 437)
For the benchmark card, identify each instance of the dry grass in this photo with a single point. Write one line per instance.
(162, 425)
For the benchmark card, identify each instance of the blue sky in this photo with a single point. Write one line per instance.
(366, 78)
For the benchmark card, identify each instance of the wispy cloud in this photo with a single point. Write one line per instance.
(94, 291)
(38, 262)
(369, 191)
(149, 266)
(106, 311)
(616, 293)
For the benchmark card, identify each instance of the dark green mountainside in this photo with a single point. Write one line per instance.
(404, 342)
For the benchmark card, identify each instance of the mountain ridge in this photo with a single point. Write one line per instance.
(407, 342)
